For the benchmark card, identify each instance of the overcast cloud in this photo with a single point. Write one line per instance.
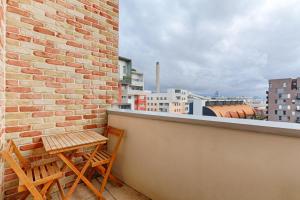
(233, 46)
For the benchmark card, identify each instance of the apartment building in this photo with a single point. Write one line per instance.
(173, 101)
(131, 86)
(283, 98)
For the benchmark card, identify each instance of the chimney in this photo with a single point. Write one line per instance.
(157, 77)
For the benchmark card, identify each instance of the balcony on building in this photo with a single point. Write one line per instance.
(169, 156)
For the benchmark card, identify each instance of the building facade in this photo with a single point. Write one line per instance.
(173, 101)
(131, 86)
(283, 98)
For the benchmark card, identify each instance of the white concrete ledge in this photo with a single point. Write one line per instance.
(276, 128)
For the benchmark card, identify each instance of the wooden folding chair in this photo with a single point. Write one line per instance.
(103, 161)
(35, 178)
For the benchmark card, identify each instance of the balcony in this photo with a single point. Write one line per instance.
(167, 156)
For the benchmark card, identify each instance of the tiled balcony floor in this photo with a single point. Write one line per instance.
(111, 193)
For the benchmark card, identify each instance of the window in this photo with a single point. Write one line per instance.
(280, 118)
(284, 84)
(279, 95)
(276, 112)
(284, 112)
(280, 107)
(276, 101)
(124, 70)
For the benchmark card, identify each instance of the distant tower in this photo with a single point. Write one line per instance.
(217, 94)
(157, 77)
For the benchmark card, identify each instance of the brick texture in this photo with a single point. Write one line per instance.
(2, 86)
(60, 67)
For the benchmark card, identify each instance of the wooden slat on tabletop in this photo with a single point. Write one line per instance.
(52, 143)
(84, 138)
(67, 141)
(58, 141)
(62, 141)
(67, 136)
(46, 144)
(54, 140)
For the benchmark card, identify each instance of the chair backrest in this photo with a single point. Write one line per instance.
(11, 149)
(7, 155)
(119, 133)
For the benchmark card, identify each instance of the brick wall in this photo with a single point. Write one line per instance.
(61, 69)
(2, 100)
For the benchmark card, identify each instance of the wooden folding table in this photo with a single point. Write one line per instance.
(62, 144)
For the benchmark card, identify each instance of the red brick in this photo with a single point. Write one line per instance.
(31, 21)
(89, 116)
(43, 54)
(18, 89)
(65, 80)
(30, 108)
(18, 37)
(76, 65)
(90, 19)
(18, 11)
(13, 129)
(62, 14)
(80, 30)
(31, 134)
(83, 71)
(31, 71)
(11, 109)
(12, 55)
(63, 113)
(90, 106)
(18, 63)
(54, 62)
(65, 101)
(12, 82)
(83, 21)
(74, 23)
(43, 30)
(92, 126)
(31, 146)
(74, 118)
(42, 114)
(46, 43)
(74, 44)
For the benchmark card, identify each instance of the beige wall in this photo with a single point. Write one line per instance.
(176, 161)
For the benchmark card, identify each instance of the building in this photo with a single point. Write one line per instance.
(229, 109)
(283, 98)
(197, 103)
(131, 86)
(173, 101)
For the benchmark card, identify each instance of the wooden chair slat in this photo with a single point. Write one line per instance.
(36, 172)
(29, 177)
(43, 171)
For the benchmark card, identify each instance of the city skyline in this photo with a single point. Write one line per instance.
(235, 51)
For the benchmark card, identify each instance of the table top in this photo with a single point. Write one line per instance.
(59, 143)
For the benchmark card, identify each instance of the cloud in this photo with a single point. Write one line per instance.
(207, 45)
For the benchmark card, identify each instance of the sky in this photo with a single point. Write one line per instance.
(230, 46)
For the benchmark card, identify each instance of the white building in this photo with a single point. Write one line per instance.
(173, 101)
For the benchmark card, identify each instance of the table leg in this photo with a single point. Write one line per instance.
(80, 174)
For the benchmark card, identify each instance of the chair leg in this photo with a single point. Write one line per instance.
(60, 189)
(45, 188)
(91, 173)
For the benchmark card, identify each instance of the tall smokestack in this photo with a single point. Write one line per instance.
(157, 77)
